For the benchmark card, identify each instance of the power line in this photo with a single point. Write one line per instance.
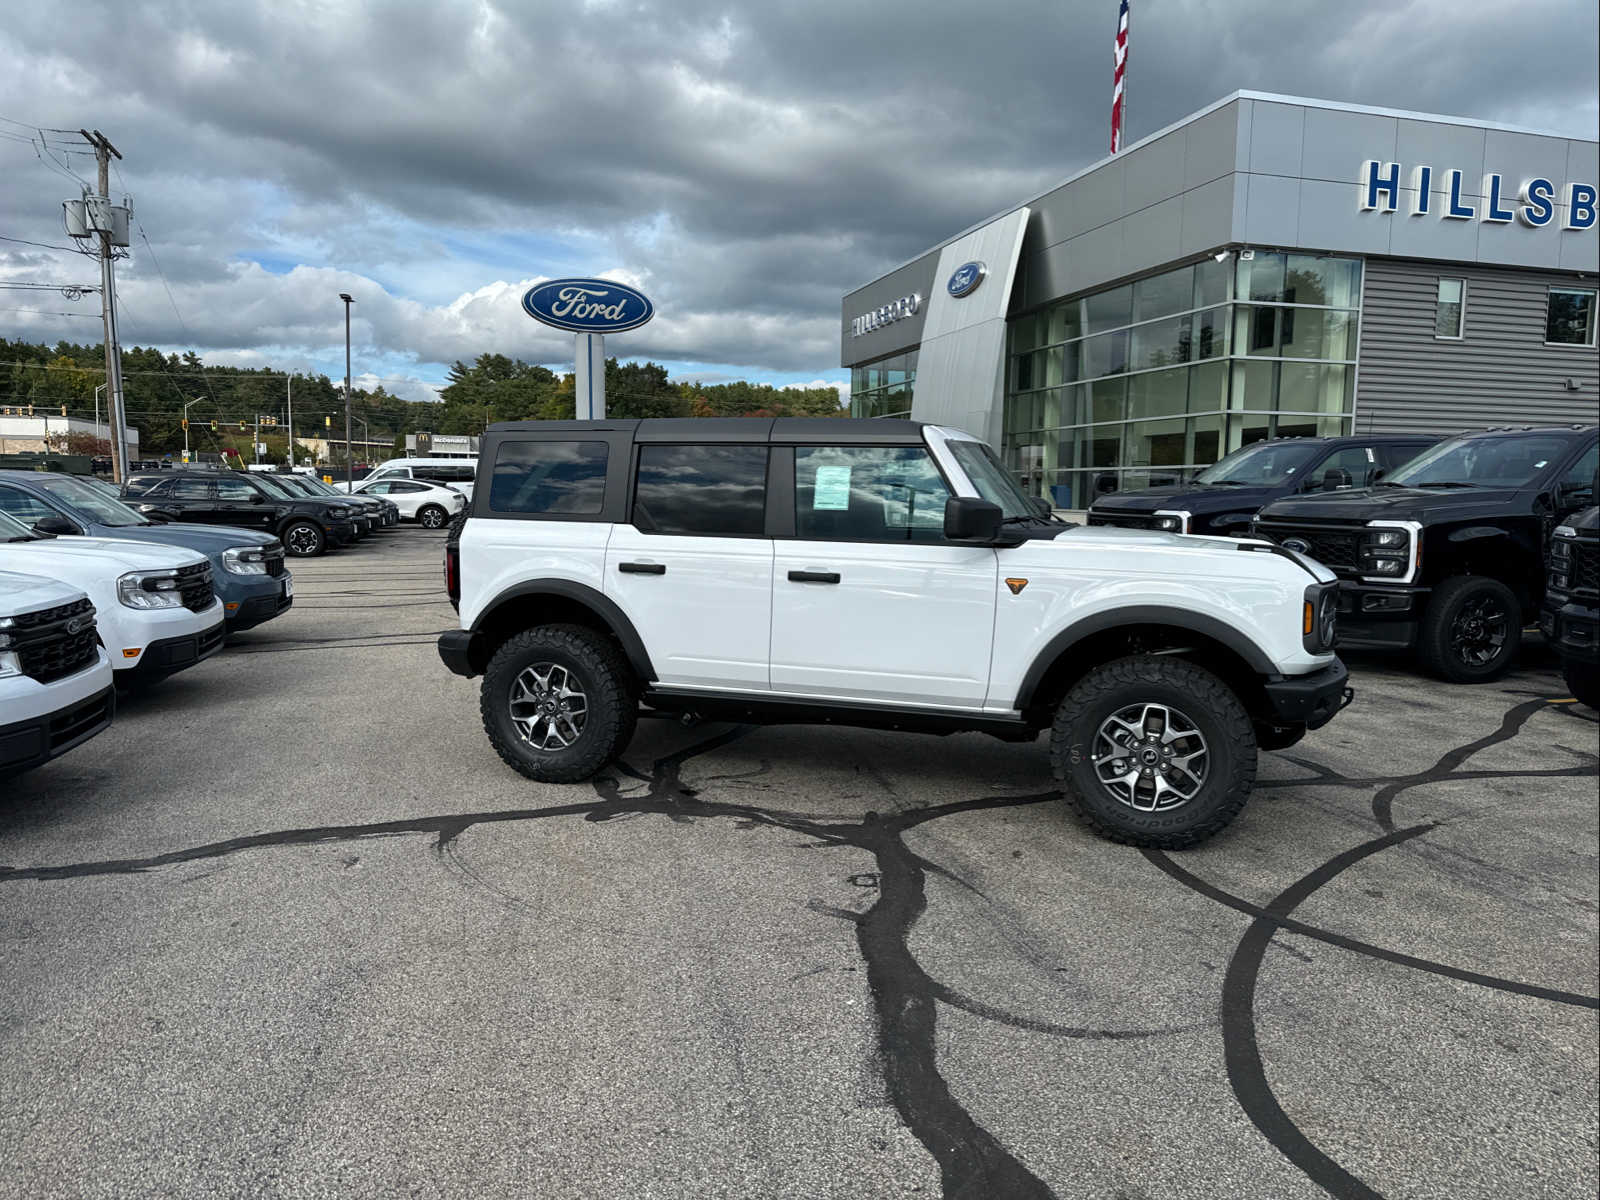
(31, 125)
(247, 372)
(41, 245)
(45, 312)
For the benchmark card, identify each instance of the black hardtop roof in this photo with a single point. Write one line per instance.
(1348, 437)
(838, 431)
(1575, 430)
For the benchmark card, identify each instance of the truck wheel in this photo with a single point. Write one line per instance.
(558, 702)
(1471, 629)
(1154, 751)
(1583, 681)
(303, 539)
(432, 517)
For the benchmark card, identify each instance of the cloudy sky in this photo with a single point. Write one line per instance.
(745, 164)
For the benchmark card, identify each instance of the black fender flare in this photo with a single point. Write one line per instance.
(603, 606)
(1140, 614)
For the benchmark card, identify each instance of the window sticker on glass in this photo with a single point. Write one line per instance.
(1368, 449)
(1539, 466)
(832, 489)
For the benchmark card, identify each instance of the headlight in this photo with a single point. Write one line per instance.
(1386, 551)
(245, 560)
(9, 663)
(1320, 617)
(334, 514)
(1172, 522)
(1167, 523)
(150, 589)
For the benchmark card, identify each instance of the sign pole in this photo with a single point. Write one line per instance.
(589, 361)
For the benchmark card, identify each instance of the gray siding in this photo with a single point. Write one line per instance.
(1500, 373)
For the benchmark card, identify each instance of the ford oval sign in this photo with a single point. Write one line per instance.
(588, 305)
(966, 279)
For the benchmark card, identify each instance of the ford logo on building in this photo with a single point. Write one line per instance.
(966, 279)
(588, 305)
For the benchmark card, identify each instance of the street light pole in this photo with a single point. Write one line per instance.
(186, 404)
(349, 462)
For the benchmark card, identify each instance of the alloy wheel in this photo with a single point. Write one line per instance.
(302, 539)
(1478, 632)
(1151, 757)
(548, 708)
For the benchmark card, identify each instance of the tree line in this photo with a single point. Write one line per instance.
(156, 386)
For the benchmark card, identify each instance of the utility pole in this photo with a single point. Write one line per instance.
(288, 384)
(103, 152)
(349, 462)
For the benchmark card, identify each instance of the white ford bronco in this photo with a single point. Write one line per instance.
(879, 573)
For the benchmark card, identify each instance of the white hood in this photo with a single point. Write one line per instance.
(30, 593)
(85, 553)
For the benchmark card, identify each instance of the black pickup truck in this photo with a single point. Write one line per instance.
(305, 526)
(1447, 555)
(1570, 618)
(1224, 497)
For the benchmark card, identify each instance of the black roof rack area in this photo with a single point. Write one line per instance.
(788, 431)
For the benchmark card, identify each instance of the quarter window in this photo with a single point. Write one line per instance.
(706, 490)
(187, 489)
(878, 494)
(1451, 305)
(1569, 318)
(234, 489)
(550, 478)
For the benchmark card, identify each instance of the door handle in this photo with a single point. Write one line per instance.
(642, 568)
(814, 576)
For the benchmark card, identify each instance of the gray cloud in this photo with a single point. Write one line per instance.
(746, 165)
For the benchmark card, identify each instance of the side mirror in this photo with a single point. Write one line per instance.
(55, 526)
(1379, 474)
(257, 498)
(969, 519)
(1042, 506)
(1333, 479)
(1105, 483)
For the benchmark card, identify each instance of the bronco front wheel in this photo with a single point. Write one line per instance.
(1154, 751)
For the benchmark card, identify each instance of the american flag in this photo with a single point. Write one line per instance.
(1119, 78)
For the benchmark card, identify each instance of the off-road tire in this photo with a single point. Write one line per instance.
(1446, 603)
(321, 542)
(607, 684)
(1208, 702)
(431, 516)
(1583, 681)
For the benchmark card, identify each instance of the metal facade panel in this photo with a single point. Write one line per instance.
(1153, 172)
(1442, 146)
(1520, 156)
(1580, 253)
(1325, 220)
(1272, 211)
(915, 278)
(1277, 132)
(1583, 161)
(1428, 236)
(1152, 237)
(1207, 220)
(1511, 245)
(1499, 373)
(960, 366)
(1043, 277)
(1338, 142)
(1209, 145)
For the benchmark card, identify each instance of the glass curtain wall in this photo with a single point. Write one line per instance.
(883, 388)
(1136, 385)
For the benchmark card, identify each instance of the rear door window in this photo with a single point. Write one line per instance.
(23, 507)
(549, 478)
(187, 489)
(704, 490)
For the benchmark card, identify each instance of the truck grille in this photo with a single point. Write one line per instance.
(1122, 520)
(194, 585)
(273, 554)
(1585, 574)
(1337, 549)
(49, 647)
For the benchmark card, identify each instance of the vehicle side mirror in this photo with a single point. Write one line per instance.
(969, 519)
(1334, 478)
(55, 526)
(257, 498)
(1105, 483)
(1042, 506)
(1378, 474)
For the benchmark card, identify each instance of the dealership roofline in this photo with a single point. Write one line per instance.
(1242, 94)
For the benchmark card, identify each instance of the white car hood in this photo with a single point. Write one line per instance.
(1185, 552)
(88, 551)
(30, 593)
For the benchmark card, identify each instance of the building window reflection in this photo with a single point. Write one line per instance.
(883, 388)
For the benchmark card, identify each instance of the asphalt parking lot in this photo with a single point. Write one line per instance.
(290, 928)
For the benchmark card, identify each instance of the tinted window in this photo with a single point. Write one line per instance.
(403, 485)
(376, 489)
(187, 489)
(234, 489)
(1505, 460)
(446, 473)
(1358, 462)
(23, 506)
(702, 489)
(139, 486)
(558, 478)
(889, 493)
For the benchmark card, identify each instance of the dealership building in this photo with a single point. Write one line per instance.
(1268, 267)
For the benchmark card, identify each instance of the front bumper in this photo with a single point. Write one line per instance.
(1310, 700)
(170, 655)
(1572, 630)
(1379, 616)
(261, 599)
(37, 740)
(339, 533)
(462, 650)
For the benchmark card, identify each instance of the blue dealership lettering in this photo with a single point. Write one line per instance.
(1387, 182)
(1421, 191)
(1580, 206)
(1494, 210)
(1538, 202)
(588, 305)
(1456, 209)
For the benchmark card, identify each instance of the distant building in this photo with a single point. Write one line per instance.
(441, 445)
(22, 435)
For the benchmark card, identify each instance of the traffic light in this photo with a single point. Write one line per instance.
(327, 422)
(213, 426)
(184, 421)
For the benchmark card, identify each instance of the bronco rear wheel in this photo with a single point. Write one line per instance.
(1154, 751)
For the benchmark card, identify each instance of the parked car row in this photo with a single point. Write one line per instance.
(1442, 547)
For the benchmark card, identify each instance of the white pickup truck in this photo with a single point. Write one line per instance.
(55, 677)
(155, 605)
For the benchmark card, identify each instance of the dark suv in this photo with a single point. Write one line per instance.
(1224, 497)
(1447, 554)
(305, 526)
(1570, 618)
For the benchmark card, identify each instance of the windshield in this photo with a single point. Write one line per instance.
(316, 485)
(292, 483)
(272, 487)
(1501, 460)
(994, 483)
(88, 503)
(13, 530)
(1266, 464)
